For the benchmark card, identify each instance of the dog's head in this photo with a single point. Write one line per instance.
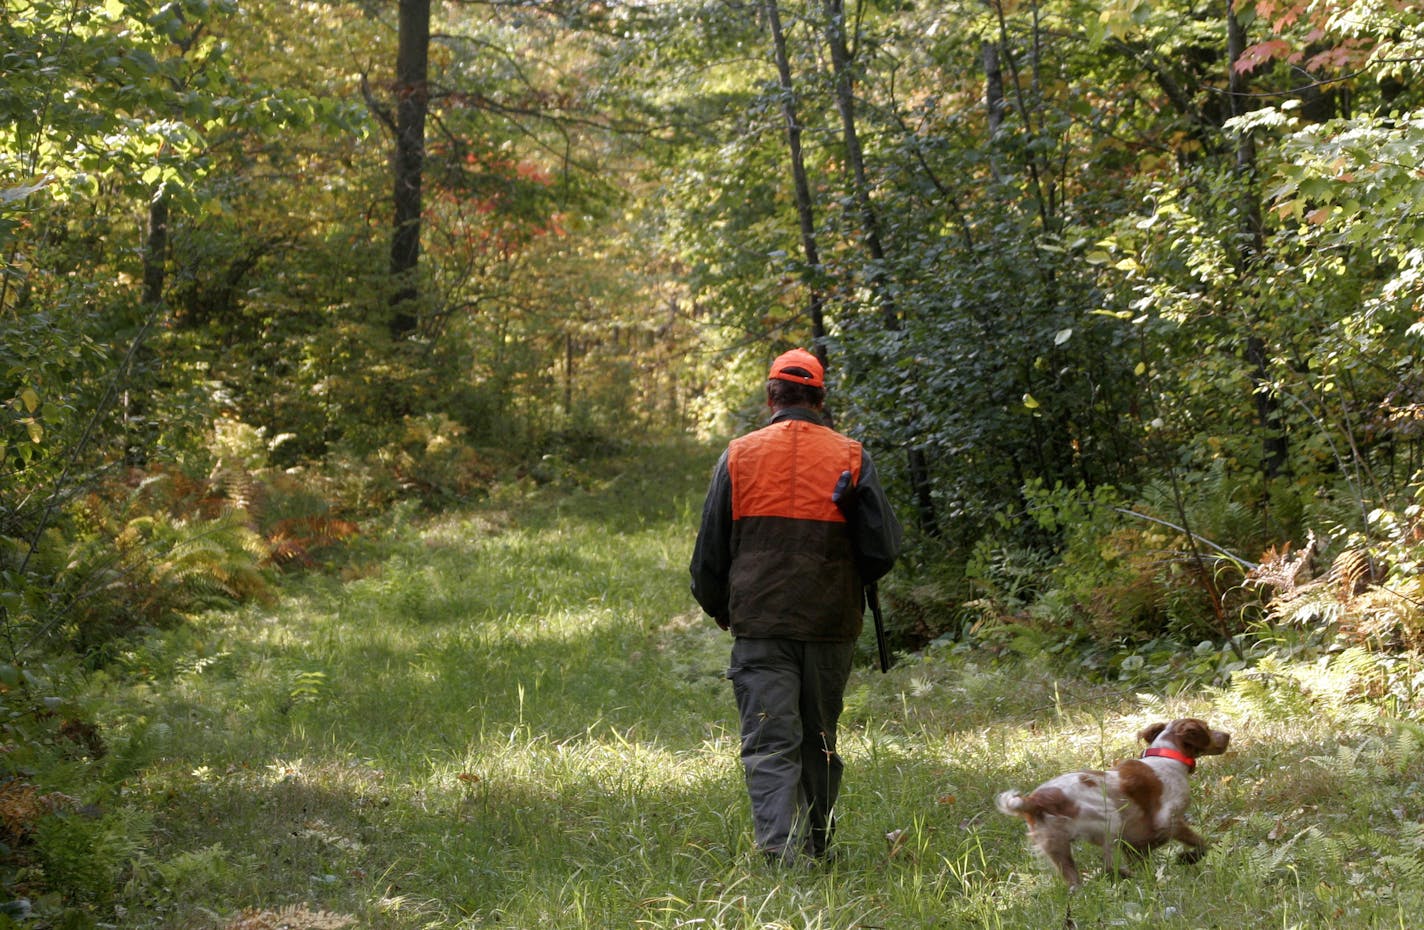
(1189, 735)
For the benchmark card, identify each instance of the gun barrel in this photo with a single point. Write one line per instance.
(872, 595)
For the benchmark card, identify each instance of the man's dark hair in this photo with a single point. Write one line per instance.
(790, 394)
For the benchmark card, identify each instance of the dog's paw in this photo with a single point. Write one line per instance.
(1191, 855)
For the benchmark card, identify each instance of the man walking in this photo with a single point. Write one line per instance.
(782, 565)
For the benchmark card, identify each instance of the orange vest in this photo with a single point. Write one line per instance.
(789, 469)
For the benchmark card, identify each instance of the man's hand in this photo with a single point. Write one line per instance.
(723, 621)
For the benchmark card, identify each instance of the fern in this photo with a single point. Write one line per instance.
(1352, 570)
(1345, 763)
(1264, 861)
(88, 854)
(1322, 851)
(1404, 749)
(1411, 834)
(239, 486)
(1271, 689)
(307, 686)
(1215, 509)
(1310, 848)
(131, 751)
(151, 569)
(1309, 608)
(217, 559)
(1335, 687)
(1403, 870)
(296, 540)
(192, 870)
(1152, 703)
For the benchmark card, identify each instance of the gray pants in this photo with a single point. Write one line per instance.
(789, 697)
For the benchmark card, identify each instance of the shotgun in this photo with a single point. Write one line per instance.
(872, 597)
(844, 498)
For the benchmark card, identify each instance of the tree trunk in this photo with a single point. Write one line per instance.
(994, 102)
(412, 97)
(879, 276)
(134, 408)
(568, 377)
(155, 249)
(855, 159)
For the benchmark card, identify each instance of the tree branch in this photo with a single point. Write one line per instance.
(1190, 535)
(380, 110)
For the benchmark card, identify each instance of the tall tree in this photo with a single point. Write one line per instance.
(805, 208)
(412, 90)
(878, 276)
(1251, 248)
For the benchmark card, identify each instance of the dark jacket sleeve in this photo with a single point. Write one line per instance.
(877, 531)
(712, 554)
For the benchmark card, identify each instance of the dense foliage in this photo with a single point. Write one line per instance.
(1134, 301)
(1126, 297)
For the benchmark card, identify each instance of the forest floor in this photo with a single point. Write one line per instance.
(514, 716)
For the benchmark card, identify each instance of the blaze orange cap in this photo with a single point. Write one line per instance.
(798, 366)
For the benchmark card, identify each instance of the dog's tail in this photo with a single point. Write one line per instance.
(1014, 804)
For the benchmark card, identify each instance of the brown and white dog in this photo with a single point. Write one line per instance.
(1139, 803)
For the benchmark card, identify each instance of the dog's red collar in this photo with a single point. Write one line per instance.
(1166, 753)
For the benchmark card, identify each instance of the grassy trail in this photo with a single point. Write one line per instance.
(514, 717)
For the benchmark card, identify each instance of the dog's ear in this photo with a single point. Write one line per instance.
(1194, 734)
(1151, 732)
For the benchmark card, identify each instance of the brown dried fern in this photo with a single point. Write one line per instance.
(1352, 572)
(22, 805)
(293, 917)
(1278, 570)
(294, 541)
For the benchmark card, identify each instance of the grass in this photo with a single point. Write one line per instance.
(514, 717)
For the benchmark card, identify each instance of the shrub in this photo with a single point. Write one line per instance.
(1132, 573)
(920, 610)
(135, 570)
(432, 460)
(1111, 575)
(85, 851)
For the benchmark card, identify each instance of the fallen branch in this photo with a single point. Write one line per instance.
(1190, 535)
